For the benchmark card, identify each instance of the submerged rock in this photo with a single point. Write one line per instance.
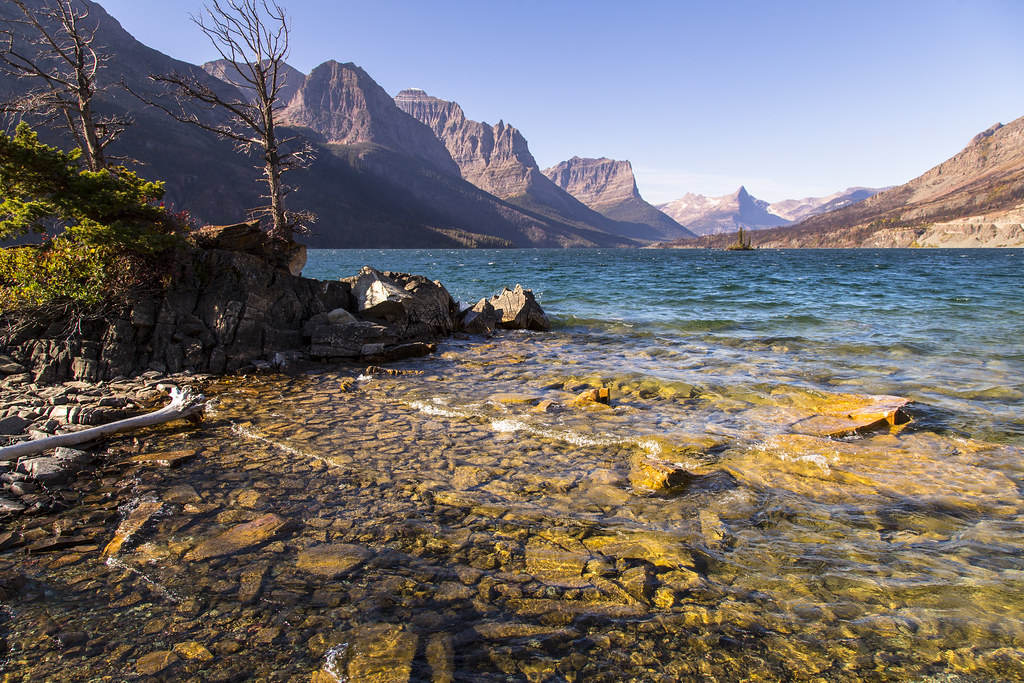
(135, 520)
(650, 474)
(382, 653)
(332, 560)
(240, 537)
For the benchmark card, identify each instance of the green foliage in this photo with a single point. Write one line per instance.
(98, 226)
(742, 242)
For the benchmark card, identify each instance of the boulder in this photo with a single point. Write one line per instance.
(650, 474)
(481, 319)
(48, 469)
(332, 560)
(517, 309)
(13, 424)
(378, 296)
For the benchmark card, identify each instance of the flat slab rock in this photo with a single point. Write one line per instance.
(240, 537)
(332, 560)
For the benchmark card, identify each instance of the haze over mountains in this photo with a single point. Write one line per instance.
(415, 171)
(728, 213)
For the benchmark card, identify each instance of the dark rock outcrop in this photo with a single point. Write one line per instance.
(230, 309)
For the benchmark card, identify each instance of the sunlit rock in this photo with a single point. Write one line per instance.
(517, 309)
(593, 397)
(135, 520)
(658, 548)
(191, 649)
(155, 662)
(925, 468)
(650, 474)
(164, 458)
(554, 565)
(332, 560)
(378, 296)
(833, 415)
(381, 653)
(240, 537)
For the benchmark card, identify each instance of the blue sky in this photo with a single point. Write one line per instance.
(790, 99)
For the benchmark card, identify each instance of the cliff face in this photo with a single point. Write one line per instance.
(497, 159)
(725, 214)
(344, 105)
(609, 187)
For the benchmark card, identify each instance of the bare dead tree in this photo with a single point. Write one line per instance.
(52, 46)
(252, 37)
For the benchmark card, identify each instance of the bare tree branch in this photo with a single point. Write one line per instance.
(251, 36)
(52, 46)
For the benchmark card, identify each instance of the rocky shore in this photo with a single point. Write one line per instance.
(237, 305)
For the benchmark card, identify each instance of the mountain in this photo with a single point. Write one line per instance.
(726, 214)
(795, 210)
(497, 159)
(345, 106)
(225, 71)
(974, 199)
(380, 178)
(609, 187)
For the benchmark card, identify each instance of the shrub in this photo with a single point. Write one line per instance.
(104, 231)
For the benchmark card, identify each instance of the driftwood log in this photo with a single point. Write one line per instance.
(184, 403)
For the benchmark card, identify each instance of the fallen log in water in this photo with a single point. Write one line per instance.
(184, 403)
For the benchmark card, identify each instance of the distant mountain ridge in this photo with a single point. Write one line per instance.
(796, 210)
(726, 214)
(973, 199)
(609, 187)
(497, 159)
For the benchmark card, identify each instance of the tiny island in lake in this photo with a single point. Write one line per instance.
(300, 381)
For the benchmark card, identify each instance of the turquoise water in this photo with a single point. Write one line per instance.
(943, 327)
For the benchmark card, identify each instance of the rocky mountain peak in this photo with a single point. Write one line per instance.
(344, 105)
(226, 71)
(609, 187)
(727, 213)
(496, 158)
(595, 182)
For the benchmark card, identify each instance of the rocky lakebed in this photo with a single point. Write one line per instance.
(511, 507)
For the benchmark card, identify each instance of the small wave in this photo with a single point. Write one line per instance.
(437, 410)
(334, 662)
(250, 434)
(508, 426)
(115, 562)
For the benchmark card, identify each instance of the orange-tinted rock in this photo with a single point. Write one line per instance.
(155, 662)
(238, 538)
(332, 560)
(136, 519)
(651, 474)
